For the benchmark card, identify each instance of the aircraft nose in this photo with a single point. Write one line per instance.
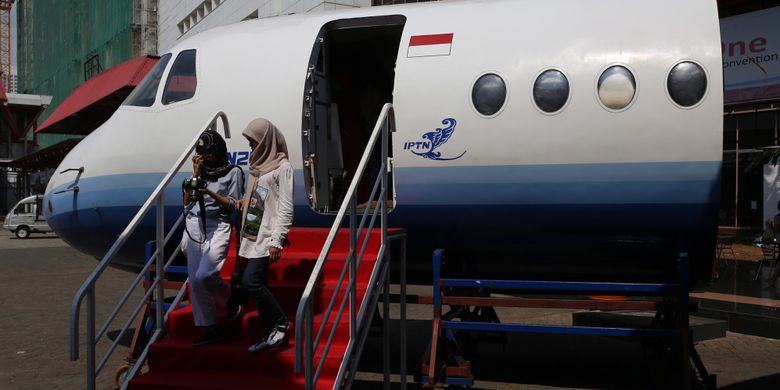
(61, 200)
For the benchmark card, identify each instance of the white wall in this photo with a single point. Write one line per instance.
(172, 12)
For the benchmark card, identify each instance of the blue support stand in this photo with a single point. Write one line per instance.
(671, 322)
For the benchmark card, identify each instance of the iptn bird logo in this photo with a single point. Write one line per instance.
(435, 139)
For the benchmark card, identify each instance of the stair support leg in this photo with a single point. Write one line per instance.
(403, 314)
(436, 331)
(386, 328)
(91, 338)
(683, 320)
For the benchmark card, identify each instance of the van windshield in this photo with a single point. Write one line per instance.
(24, 208)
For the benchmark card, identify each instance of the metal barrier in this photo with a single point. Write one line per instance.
(87, 289)
(307, 339)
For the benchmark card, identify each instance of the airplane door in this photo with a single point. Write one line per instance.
(324, 168)
(349, 77)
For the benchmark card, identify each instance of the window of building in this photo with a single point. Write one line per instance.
(201, 11)
(144, 94)
(182, 80)
(92, 67)
(253, 15)
(391, 2)
(747, 131)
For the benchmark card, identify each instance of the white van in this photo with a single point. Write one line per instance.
(27, 217)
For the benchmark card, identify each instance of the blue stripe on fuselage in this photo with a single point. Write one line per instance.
(458, 204)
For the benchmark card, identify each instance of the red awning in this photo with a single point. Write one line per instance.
(92, 103)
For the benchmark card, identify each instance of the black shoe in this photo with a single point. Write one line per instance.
(213, 334)
(258, 346)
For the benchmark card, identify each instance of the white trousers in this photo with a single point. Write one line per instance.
(208, 292)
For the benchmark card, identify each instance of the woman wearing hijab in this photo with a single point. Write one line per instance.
(267, 214)
(207, 235)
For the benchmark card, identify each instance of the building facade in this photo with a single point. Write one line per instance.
(750, 188)
(61, 44)
(184, 18)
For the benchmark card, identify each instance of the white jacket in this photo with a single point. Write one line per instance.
(277, 215)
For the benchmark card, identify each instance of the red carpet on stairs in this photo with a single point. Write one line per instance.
(175, 364)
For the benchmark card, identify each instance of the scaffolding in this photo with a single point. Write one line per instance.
(5, 42)
(61, 44)
(145, 24)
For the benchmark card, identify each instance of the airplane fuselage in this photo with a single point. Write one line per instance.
(588, 180)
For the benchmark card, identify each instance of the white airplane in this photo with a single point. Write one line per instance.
(569, 134)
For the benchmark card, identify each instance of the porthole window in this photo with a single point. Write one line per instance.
(687, 83)
(616, 87)
(182, 80)
(551, 91)
(489, 94)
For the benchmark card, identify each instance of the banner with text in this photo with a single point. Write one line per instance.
(751, 55)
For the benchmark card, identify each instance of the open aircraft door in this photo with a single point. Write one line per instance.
(323, 162)
(349, 77)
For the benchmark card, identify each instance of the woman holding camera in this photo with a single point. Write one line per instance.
(267, 214)
(215, 187)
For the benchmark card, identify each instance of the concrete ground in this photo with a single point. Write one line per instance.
(39, 276)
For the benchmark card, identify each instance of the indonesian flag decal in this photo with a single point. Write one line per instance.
(430, 45)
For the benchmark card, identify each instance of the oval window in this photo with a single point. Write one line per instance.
(551, 91)
(616, 87)
(687, 83)
(489, 94)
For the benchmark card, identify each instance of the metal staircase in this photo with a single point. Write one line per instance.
(308, 339)
(87, 289)
(313, 338)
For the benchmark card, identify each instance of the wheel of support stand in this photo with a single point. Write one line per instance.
(120, 375)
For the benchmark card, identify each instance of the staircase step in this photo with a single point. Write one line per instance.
(180, 321)
(248, 328)
(175, 364)
(173, 355)
(196, 380)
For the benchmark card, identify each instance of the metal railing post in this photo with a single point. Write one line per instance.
(383, 176)
(91, 338)
(353, 237)
(309, 358)
(160, 271)
(386, 324)
(387, 257)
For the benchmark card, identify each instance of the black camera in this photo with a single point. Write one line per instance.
(192, 185)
